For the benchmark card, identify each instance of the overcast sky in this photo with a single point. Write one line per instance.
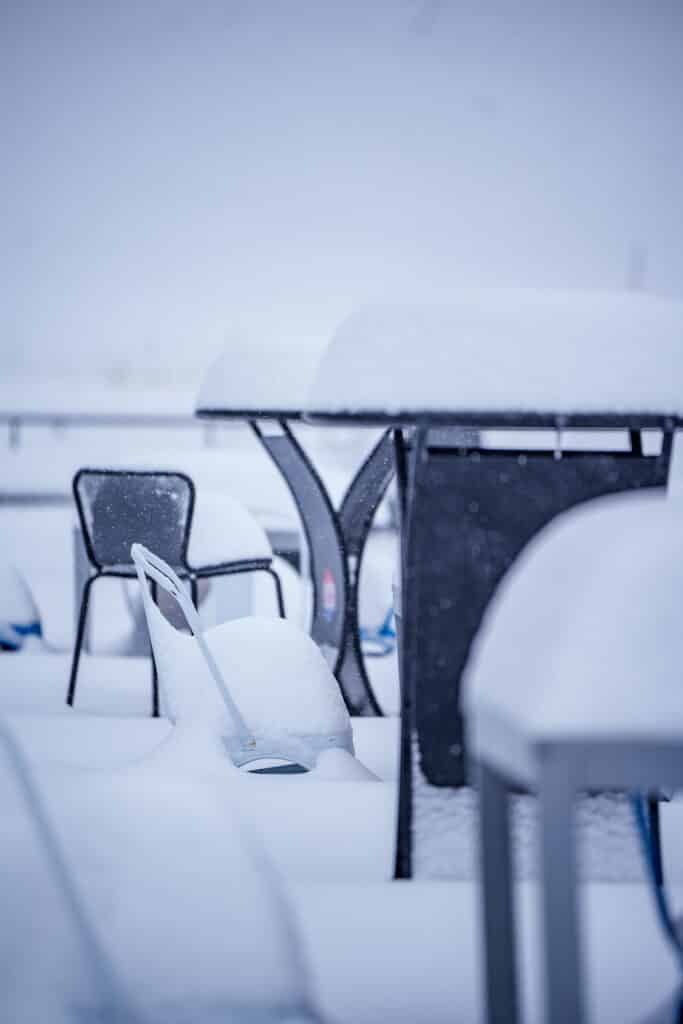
(174, 169)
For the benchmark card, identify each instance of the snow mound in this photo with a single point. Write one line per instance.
(276, 675)
(223, 530)
(261, 373)
(176, 913)
(509, 350)
(336, 764)
(584, 633)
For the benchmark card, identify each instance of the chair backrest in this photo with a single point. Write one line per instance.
(119, 507)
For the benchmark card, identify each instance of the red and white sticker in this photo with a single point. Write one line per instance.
(329, 595)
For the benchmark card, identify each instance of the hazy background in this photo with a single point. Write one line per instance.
(173, 169)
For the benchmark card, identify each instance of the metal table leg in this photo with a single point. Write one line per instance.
(336, 543)
(467, 515)
(563, 992)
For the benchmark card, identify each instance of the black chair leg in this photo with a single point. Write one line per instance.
(278, 591)
(155, 678)
(194, 591)
(80, 634)
(155, 690)
(655, 839)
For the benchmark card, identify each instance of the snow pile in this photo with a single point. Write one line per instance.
(338, 765)
(274, 672)
(195, 928)
(223, 530)
(261, 374)
(197, 925)
(555, 352)
(584, 634)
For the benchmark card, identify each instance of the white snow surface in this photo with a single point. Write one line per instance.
(185, 903)
(223, 530)
(155, 855)
(334, 823)
(272, 372)
(190, 911)
(583, 636)
(412, 952)
(508, 350)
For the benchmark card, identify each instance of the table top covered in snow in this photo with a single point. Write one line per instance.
(508, 357)
(269, 376)
(582, 640)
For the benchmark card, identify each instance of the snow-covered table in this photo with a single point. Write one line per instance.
(596, 705)
(266, 385)
(507, 361)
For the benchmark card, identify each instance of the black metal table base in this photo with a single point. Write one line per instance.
(336, 542)
(467, 514)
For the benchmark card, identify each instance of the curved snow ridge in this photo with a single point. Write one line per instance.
(276, 674)
(508, 350)
(180, 934)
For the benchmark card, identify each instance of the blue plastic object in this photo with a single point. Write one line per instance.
(19, 618)
(377, 643)
(652, 854)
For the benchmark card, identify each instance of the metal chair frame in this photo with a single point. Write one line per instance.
(127, 570)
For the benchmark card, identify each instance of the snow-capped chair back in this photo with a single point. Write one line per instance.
(259, 684)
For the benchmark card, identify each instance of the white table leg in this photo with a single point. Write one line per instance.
(563, 994)
(500, 976)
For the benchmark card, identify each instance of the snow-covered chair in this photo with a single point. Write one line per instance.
(259, 686)
(181, 918)
(201, 535)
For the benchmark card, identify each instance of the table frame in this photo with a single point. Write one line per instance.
(451, 500)
(336, 541)
(564, 768)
